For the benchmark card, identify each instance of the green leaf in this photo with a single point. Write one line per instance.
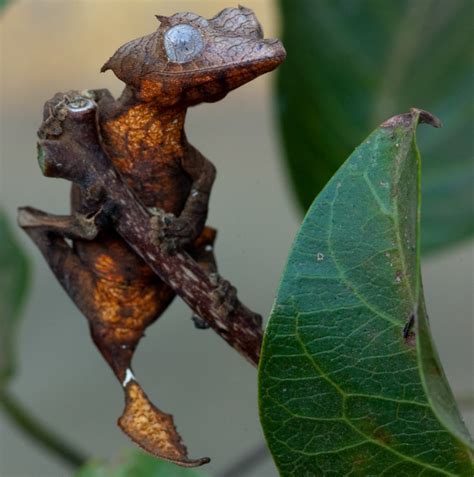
(349, 379)
(137, 464)
(351, 64)
(14, 280)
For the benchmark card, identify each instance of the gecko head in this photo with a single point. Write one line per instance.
(190, 59)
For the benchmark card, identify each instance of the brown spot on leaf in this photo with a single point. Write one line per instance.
(408, 334)
(382, 435)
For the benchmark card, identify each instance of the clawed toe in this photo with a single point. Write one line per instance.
(224, 294)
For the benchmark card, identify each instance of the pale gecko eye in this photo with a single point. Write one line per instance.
(183, 43)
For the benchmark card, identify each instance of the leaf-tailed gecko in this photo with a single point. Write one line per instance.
(186, 61)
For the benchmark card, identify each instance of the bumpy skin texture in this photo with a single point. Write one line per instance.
(142, 133)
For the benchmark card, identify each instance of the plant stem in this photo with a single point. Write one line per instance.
(36, 431)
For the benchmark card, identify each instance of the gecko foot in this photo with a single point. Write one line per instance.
(170, 232)
(224, 295)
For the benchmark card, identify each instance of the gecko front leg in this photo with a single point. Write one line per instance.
(175, 233)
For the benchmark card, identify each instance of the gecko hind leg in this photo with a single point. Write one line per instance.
(225, 294)
(203, 252)
(75, 226)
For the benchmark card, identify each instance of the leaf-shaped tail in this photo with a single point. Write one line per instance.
(152, 429)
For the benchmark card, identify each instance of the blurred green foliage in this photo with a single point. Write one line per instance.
(137, 464)
(352, 64)
(14, 280)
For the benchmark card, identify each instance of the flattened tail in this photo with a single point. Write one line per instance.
(151, 429)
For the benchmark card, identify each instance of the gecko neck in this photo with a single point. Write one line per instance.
(170, 119)
(146, 144)
(139, 131)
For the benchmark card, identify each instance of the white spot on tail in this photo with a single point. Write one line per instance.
(129, 376)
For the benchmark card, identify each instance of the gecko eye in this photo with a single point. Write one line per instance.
(183, 43)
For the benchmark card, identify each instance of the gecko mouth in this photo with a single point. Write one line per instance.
(271, 54)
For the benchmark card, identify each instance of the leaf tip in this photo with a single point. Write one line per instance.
(426, 117)
(407, 119)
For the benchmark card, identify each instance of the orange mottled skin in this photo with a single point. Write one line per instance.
(146, 146)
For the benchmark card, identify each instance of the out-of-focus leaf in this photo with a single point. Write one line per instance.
(3, 4)
(350, 382)
(352, 63)
(14, 278)
(137, 464)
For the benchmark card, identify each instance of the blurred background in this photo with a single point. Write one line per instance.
(50, 46)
